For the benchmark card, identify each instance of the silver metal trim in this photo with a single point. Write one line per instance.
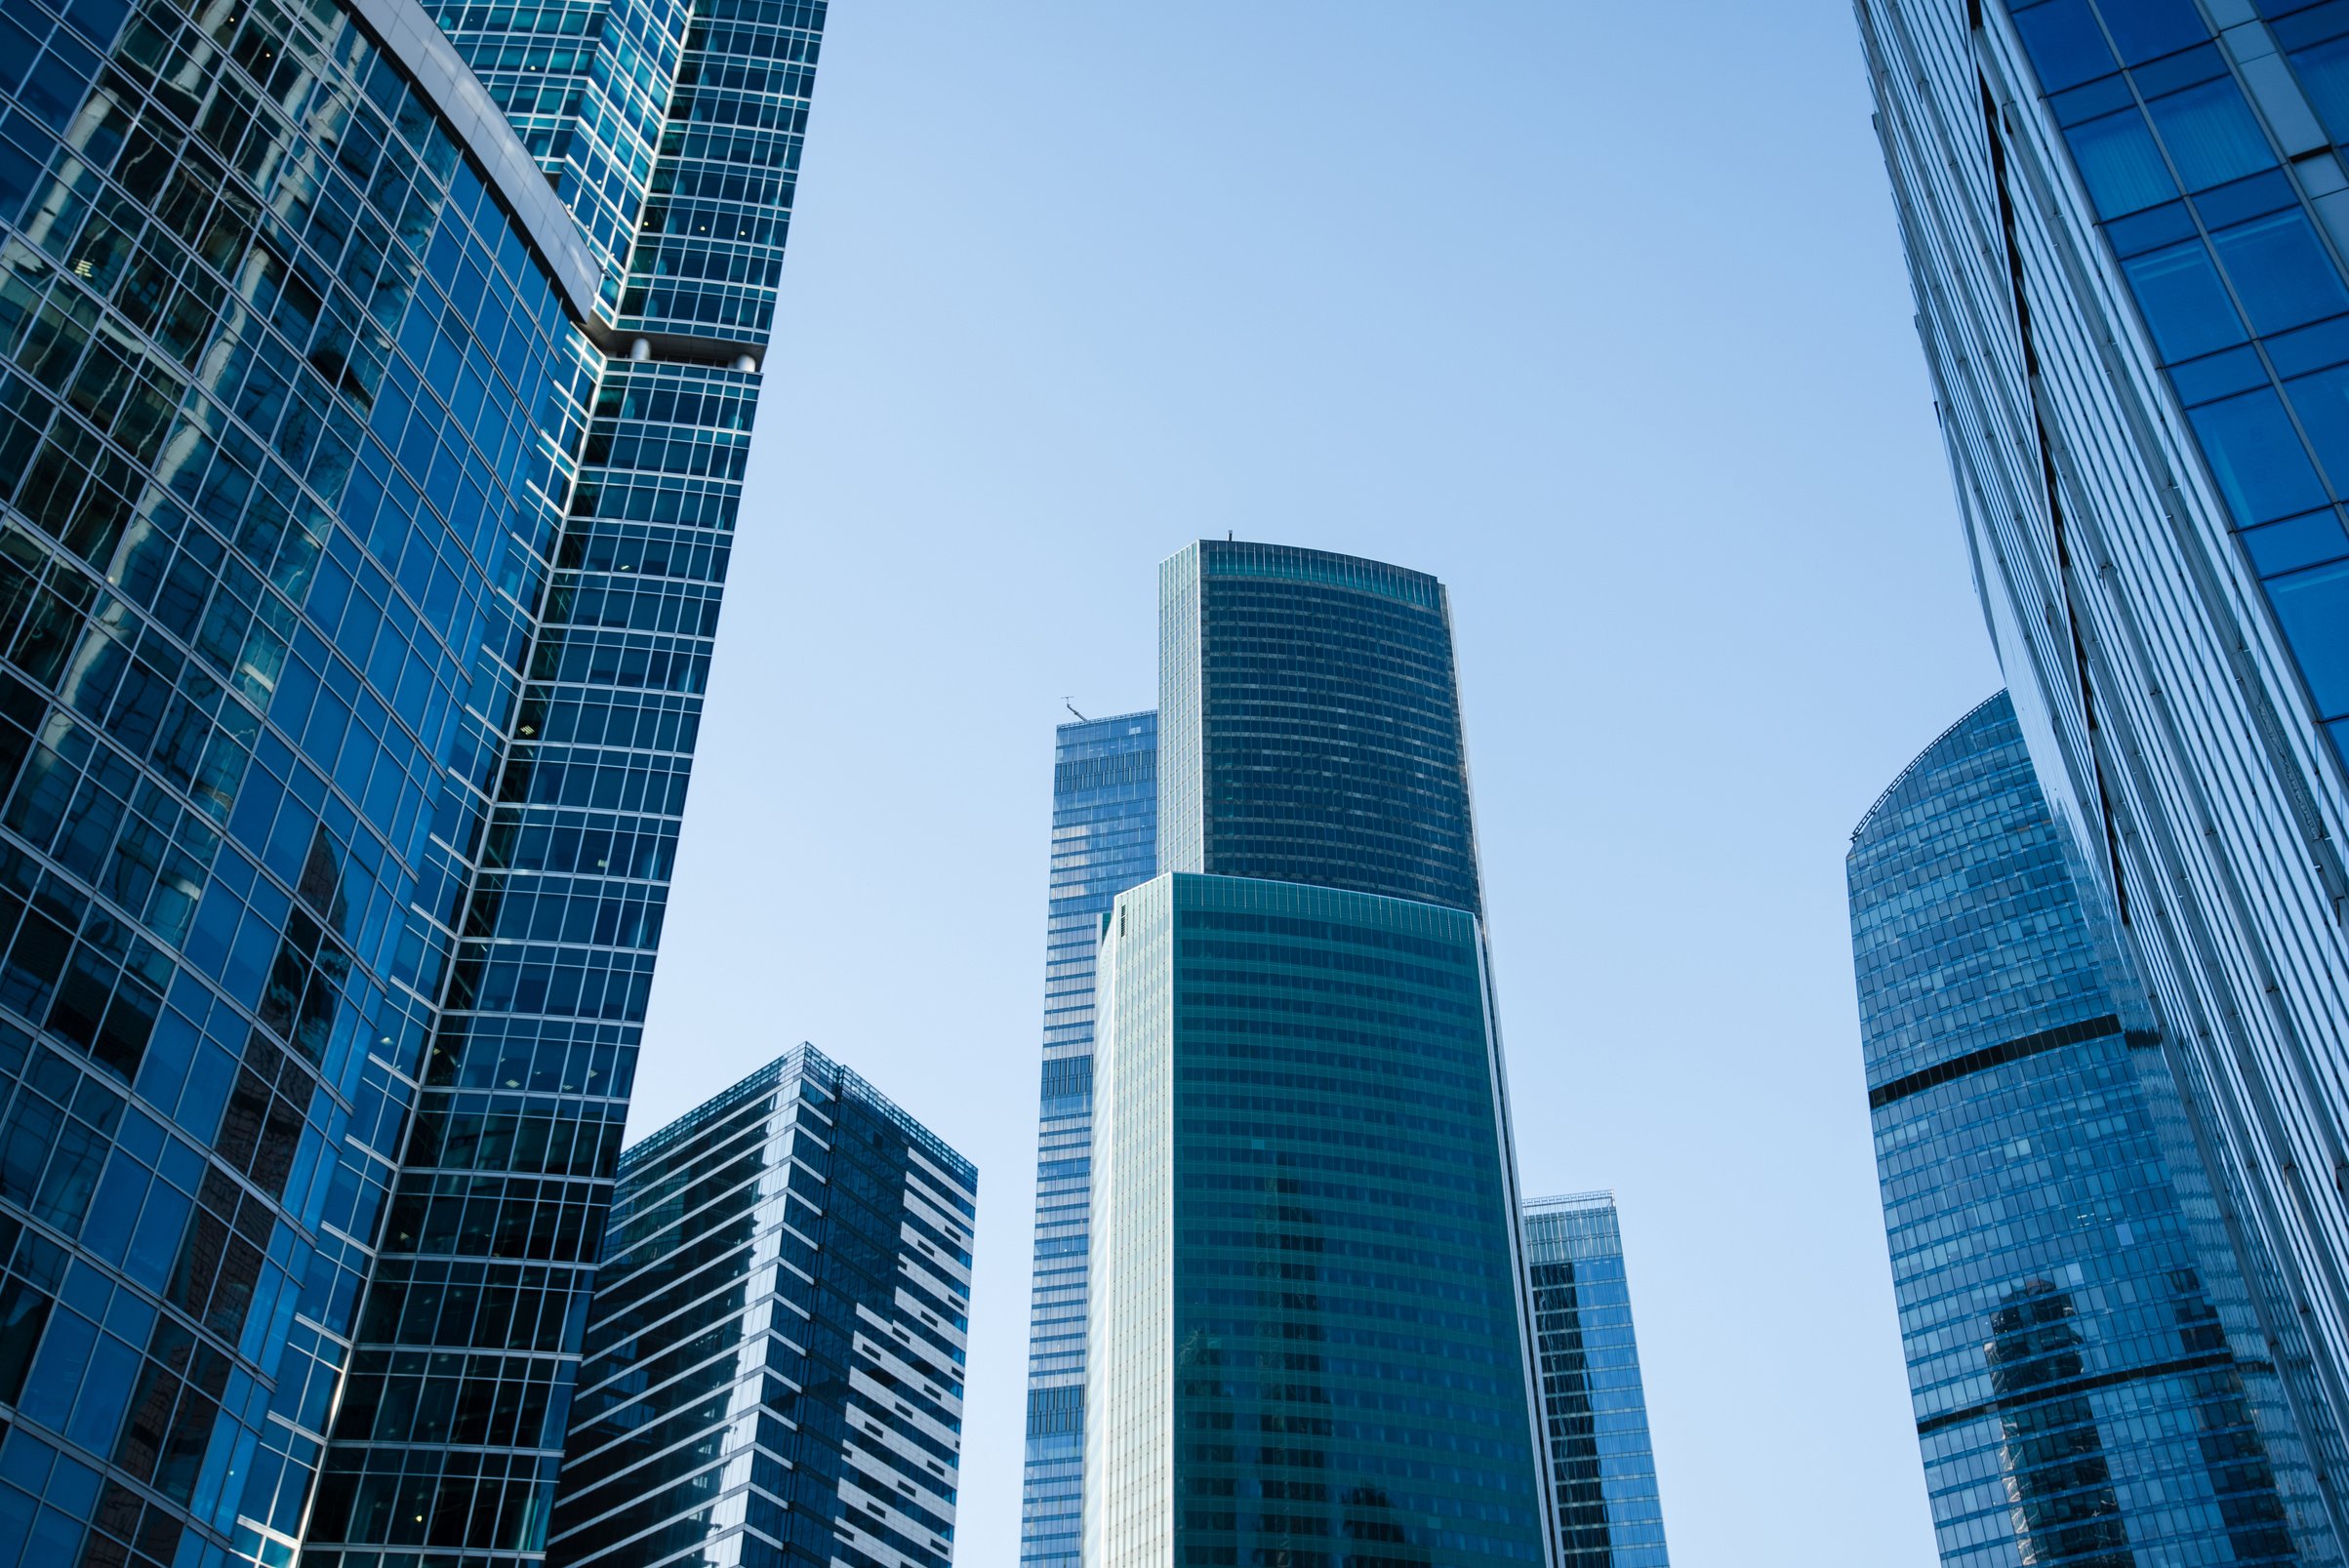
(415, 40)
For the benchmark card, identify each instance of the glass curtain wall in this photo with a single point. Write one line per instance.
(1105, 807)
(356, 580)
(1308, 1337)
(776, 1351)
(2090, 1381)
(2125, 223)
(1603, 1471)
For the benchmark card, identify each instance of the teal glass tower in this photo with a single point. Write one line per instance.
(2091, 1381)
(1602, 1469)
(1104, 817)
(775, 1354)
(365, 507)
(1307, 1338)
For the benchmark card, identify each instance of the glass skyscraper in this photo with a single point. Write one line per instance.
(364, 502)
(2092, 1384)
(774, 1359)
(1603, 1471)
(1104, 819)
(2126, 222)
(1306, 1338)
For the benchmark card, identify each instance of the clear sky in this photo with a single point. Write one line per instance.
(1595, 311)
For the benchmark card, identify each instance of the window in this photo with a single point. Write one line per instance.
(2185, 305)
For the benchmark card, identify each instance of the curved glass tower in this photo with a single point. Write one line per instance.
(1308, 1338)
(2092, 1383)
(2127, 226)
(358, 563)
(1310, 724)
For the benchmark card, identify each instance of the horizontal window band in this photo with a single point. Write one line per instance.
(1992, 1056)
(2071, 1386)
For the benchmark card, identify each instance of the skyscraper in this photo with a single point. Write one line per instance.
(2091, 1382)
(2126, 222)
(1307, 1337)
(775, 1354)
(1602, 1469)
(1104, 823)
(361, 549)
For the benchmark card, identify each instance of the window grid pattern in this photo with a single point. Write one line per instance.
(575, 794)
(775, 1355)
(294, 412)
(2172, 705)
(2090, 1385)
(586, 86)
(1105, 804)
(1602, 1469)
(709, 252)
(2248, 307)
(1329, 743)
(1349, 1380)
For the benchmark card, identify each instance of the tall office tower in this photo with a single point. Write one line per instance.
(1602, 1471)
(1105, 824)
(356, 575)
(2091, 1382)
(1307, 1338)
(2126, 224)
(775, 1354)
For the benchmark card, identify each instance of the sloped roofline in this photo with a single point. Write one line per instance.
(1914, 762)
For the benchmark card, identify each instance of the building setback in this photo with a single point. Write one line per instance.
(1105, 814)
(2090, 1382)
(774, 1359)
(363, 519)
(2125, 223)
(1602, 1469)
(1307, 1338)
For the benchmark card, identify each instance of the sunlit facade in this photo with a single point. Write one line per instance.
(2126, 222)
(360, 551)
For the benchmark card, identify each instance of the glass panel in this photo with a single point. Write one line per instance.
(2323, 74)
(2121, 163)
(2258, 458)
(2067, 46)
(2211, 135)
(2147, 28)
(2280, 271)
(2186, 308)
(2314, 608)
(2295, 542)
(2322, 404)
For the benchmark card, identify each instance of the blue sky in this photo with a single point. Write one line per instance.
(1596, 312)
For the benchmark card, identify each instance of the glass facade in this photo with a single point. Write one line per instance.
(1307, 1332)
(774, 1360)
(2090, 1382)
(1313, 724)
(356, 586)
(1307, 1336)
(1105, 811)
(2125, 223)
(1603, 1471)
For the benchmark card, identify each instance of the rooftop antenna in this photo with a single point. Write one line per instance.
(1070, 702)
